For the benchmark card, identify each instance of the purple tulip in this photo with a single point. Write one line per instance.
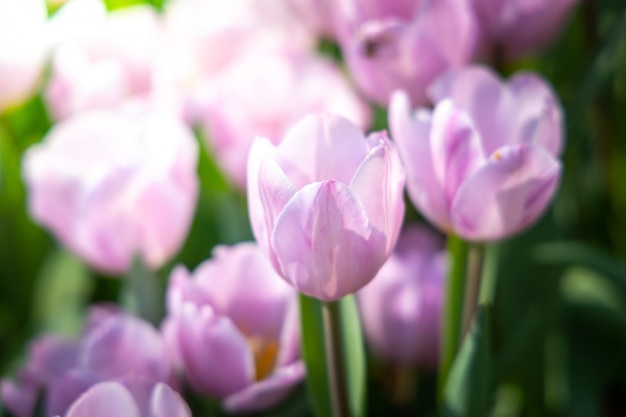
(326, 204)
(409, 49)
(129, 397)
(520, 27)
(265, 91)
(401, 308)
(114, 345)
(483, 163)
(112, 184)
(23, 49)
(235, 324)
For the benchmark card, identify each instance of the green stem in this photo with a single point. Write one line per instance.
(489, 276)
(453, 309)
(473, 279)
(8, 130)
(334, 360)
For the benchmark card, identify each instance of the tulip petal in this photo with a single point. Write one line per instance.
(64, 391)
(216, 356)
(324, 242)
(165, 402)
(322, 147)
(269, 190)
(411, 134)
(456, 148)
(507, 194)
(379, 185)
(105, 400)
(266, 393)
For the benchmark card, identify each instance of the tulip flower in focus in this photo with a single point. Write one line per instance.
(408, 47)
(113, 184)
(114, 345)
(401, 308)
(483, 164)
(234, 327)
(326, 204)
(23, 49)
(520, 27)
(265, 91)
(129, 397)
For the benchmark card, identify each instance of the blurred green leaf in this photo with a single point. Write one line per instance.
(468, 390)
(313, 352)
(143, 293)
(61, 293)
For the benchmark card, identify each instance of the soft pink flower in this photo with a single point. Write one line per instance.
(235, 329)
(401, 308)
(116, 61)
(408, 49)
(113, 184)
(265, 91)
(483, 163)
(520, 27)
(326, 204)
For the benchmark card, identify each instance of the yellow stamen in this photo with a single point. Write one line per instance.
(265, 353)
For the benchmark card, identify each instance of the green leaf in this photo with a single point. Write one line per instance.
(61, 293)
(313, 352)
(143, 293)
(468, 390)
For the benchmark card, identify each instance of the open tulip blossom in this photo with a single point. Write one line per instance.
(483, 164)
(233, 329)
(326, 204)
(114, 184)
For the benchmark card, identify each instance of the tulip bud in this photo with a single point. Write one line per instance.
(326, 204)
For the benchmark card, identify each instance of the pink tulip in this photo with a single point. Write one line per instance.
(408, 49)
(112, 184)
(22, 49)
(129, 397)
(236, 329)
(114, 345)
(326, 204)
(117, 61)
(401, 308)
(521, 27)
(265, 91)
(483, 163)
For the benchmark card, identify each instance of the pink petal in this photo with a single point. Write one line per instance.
(322, 147)
(324, 242)
(216, 356)
(268, 392)
(379, 186)
(411, 133)
(507, 194)
(105, 400)
(165, 402)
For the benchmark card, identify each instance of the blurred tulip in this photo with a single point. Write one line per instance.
(236, 328)
(116, 61)
(114, 345)
(129, 397)
(326, 204)
(402, 50)
(113, 184)
(401, 308)
(483, 163)
(265, 91)
(520, 27)
(23, 49)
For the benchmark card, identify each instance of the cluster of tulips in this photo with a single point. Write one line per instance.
(283, 95)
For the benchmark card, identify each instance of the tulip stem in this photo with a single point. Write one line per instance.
(475, 260)
(335, 360)
(8, 130)
(489, 275)
(453, 309)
